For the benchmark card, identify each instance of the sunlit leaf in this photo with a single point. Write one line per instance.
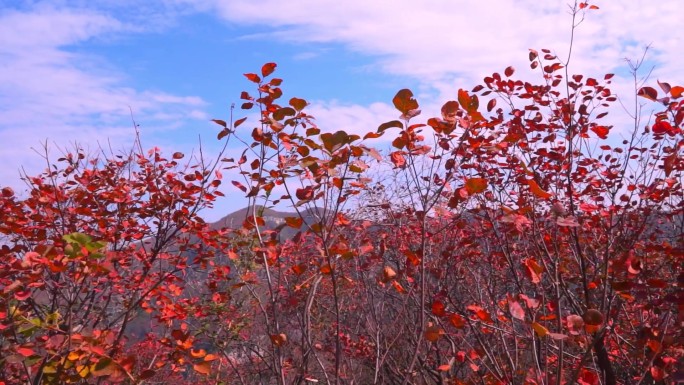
(537, 191)
(516, 310)
(475, 185)
(404, 101)
(298, 104)
(203, 367)
(649, 93)
(268, 69)
(539, 329)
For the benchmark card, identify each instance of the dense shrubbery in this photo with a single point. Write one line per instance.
(514, 243)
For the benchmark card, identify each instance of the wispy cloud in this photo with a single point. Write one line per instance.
(51, 91)
(431, 38)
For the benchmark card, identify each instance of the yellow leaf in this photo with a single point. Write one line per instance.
(539, 329)
(83, 370)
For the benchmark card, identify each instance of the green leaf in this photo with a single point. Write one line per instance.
(78, 238)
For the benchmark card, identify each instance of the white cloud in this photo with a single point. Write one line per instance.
(428, 39)
(49, 91)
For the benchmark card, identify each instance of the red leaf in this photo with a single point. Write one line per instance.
(490, 105)
(649, 93)
(398, 159)
(298, 104)
(294, 222)
(253, 78)
(404, 101)
(663, 127)
(457, 321)
(475, 185)
(223, 134)
(509, 71)
(26, 352)
(601, 131)
(533, 270)
(516, 310)
(299, 269)
(305, 193)
(470, 103)
(147, 373)
(220, 122)
(438, 308)
(239, 122)
(449, 110)
(22, 295)
(268, 69)
(567, 222)
(239, 185)
(432, 333)
(537, 191)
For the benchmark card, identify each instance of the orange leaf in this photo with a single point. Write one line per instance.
(294, 222)
(398, 159)
(475, 185)
(539, 329)
(398, 287)
(279, 339)
(537, 191)
(432, 333)
(203, 367)
(104, 367)
(676, 91)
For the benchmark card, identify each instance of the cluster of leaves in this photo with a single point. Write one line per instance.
(513, 242)
(518, 244)
(94, 251)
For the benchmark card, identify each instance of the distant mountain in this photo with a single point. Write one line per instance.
(274, 219)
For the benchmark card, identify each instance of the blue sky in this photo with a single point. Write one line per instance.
(70, 70)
